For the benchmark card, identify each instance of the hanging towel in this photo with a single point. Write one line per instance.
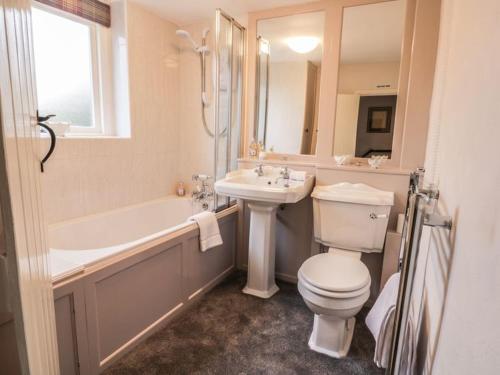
(209, 230)
(408, 352)
(298, 175)
(380, 320)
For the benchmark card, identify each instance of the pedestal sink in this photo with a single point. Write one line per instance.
(264, 190)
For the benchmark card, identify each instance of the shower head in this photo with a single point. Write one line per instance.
(184, 34)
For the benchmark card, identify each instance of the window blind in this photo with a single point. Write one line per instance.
(92, 10)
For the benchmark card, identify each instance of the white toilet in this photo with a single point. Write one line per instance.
(351, 219)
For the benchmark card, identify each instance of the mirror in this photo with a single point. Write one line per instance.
(288, 70)
(367, 93)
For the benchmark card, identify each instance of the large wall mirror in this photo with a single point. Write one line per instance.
(367, 96)
(289, 54)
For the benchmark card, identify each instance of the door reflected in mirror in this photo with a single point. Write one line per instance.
(370, 57)
(288, 70)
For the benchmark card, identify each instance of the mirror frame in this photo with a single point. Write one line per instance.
(334, 10)
(403, 78)
(258, 65)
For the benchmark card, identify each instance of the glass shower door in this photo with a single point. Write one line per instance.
(228, 99)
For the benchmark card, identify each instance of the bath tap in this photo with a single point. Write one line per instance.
(203, 191)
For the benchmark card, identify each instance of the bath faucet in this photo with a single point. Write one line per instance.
(259, 170)
(203, 191)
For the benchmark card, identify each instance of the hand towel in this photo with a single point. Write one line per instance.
(380, 320)
(209, 230)
(298, 175)
(408, 354)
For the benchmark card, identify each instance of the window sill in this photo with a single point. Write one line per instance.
(85, 136)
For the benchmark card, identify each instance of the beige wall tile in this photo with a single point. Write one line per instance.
(91, 175)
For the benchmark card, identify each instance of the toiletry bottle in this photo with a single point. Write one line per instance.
(181, 191)
(252, 150)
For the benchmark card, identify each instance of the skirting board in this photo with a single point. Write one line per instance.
(280, 276)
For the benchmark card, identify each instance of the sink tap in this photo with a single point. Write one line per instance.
(259, 170)
(284, 175)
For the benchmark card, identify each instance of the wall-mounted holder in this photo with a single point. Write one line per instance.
(40, 121)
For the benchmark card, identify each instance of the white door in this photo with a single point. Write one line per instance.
(26, 251)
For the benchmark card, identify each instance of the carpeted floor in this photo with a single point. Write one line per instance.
(229, 332)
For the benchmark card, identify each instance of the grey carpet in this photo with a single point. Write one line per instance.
(229, 332)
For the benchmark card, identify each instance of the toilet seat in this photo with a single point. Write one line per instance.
(335, 275)
(326, 305)
(333, 294)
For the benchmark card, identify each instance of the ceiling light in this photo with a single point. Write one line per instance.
(302, 44)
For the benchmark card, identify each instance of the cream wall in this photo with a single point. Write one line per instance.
(420, 83)
(462, 159)
(286, 108)
(86, 176)
(357, 77)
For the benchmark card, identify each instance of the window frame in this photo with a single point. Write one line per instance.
(96, 72)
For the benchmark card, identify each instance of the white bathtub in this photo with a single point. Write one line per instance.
(80, 243)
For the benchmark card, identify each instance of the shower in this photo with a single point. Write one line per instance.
(202, 51)
(225, 73)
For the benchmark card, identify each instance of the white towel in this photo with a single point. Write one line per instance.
(209, 230)
(380, 320)
(298, 175)
(408, 352)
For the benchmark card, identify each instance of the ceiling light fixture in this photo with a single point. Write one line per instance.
(302, 44)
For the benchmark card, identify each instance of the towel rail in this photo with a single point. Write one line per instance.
(419, 213)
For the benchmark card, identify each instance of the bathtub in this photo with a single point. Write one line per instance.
(81, 243)
(120, 276)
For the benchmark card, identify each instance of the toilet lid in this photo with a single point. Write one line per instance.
(335, 272)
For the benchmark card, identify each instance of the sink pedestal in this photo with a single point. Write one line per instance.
(261, 250)
(263, 192)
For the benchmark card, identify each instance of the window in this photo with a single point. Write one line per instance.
(67, 70)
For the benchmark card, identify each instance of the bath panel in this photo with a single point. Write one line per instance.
(116, 302)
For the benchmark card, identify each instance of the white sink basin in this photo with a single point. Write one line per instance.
(246, 184)
(263, 194)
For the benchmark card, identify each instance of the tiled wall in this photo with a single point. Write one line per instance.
(86, 176)
(197, 155)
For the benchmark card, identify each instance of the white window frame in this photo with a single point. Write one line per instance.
(98, 52)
